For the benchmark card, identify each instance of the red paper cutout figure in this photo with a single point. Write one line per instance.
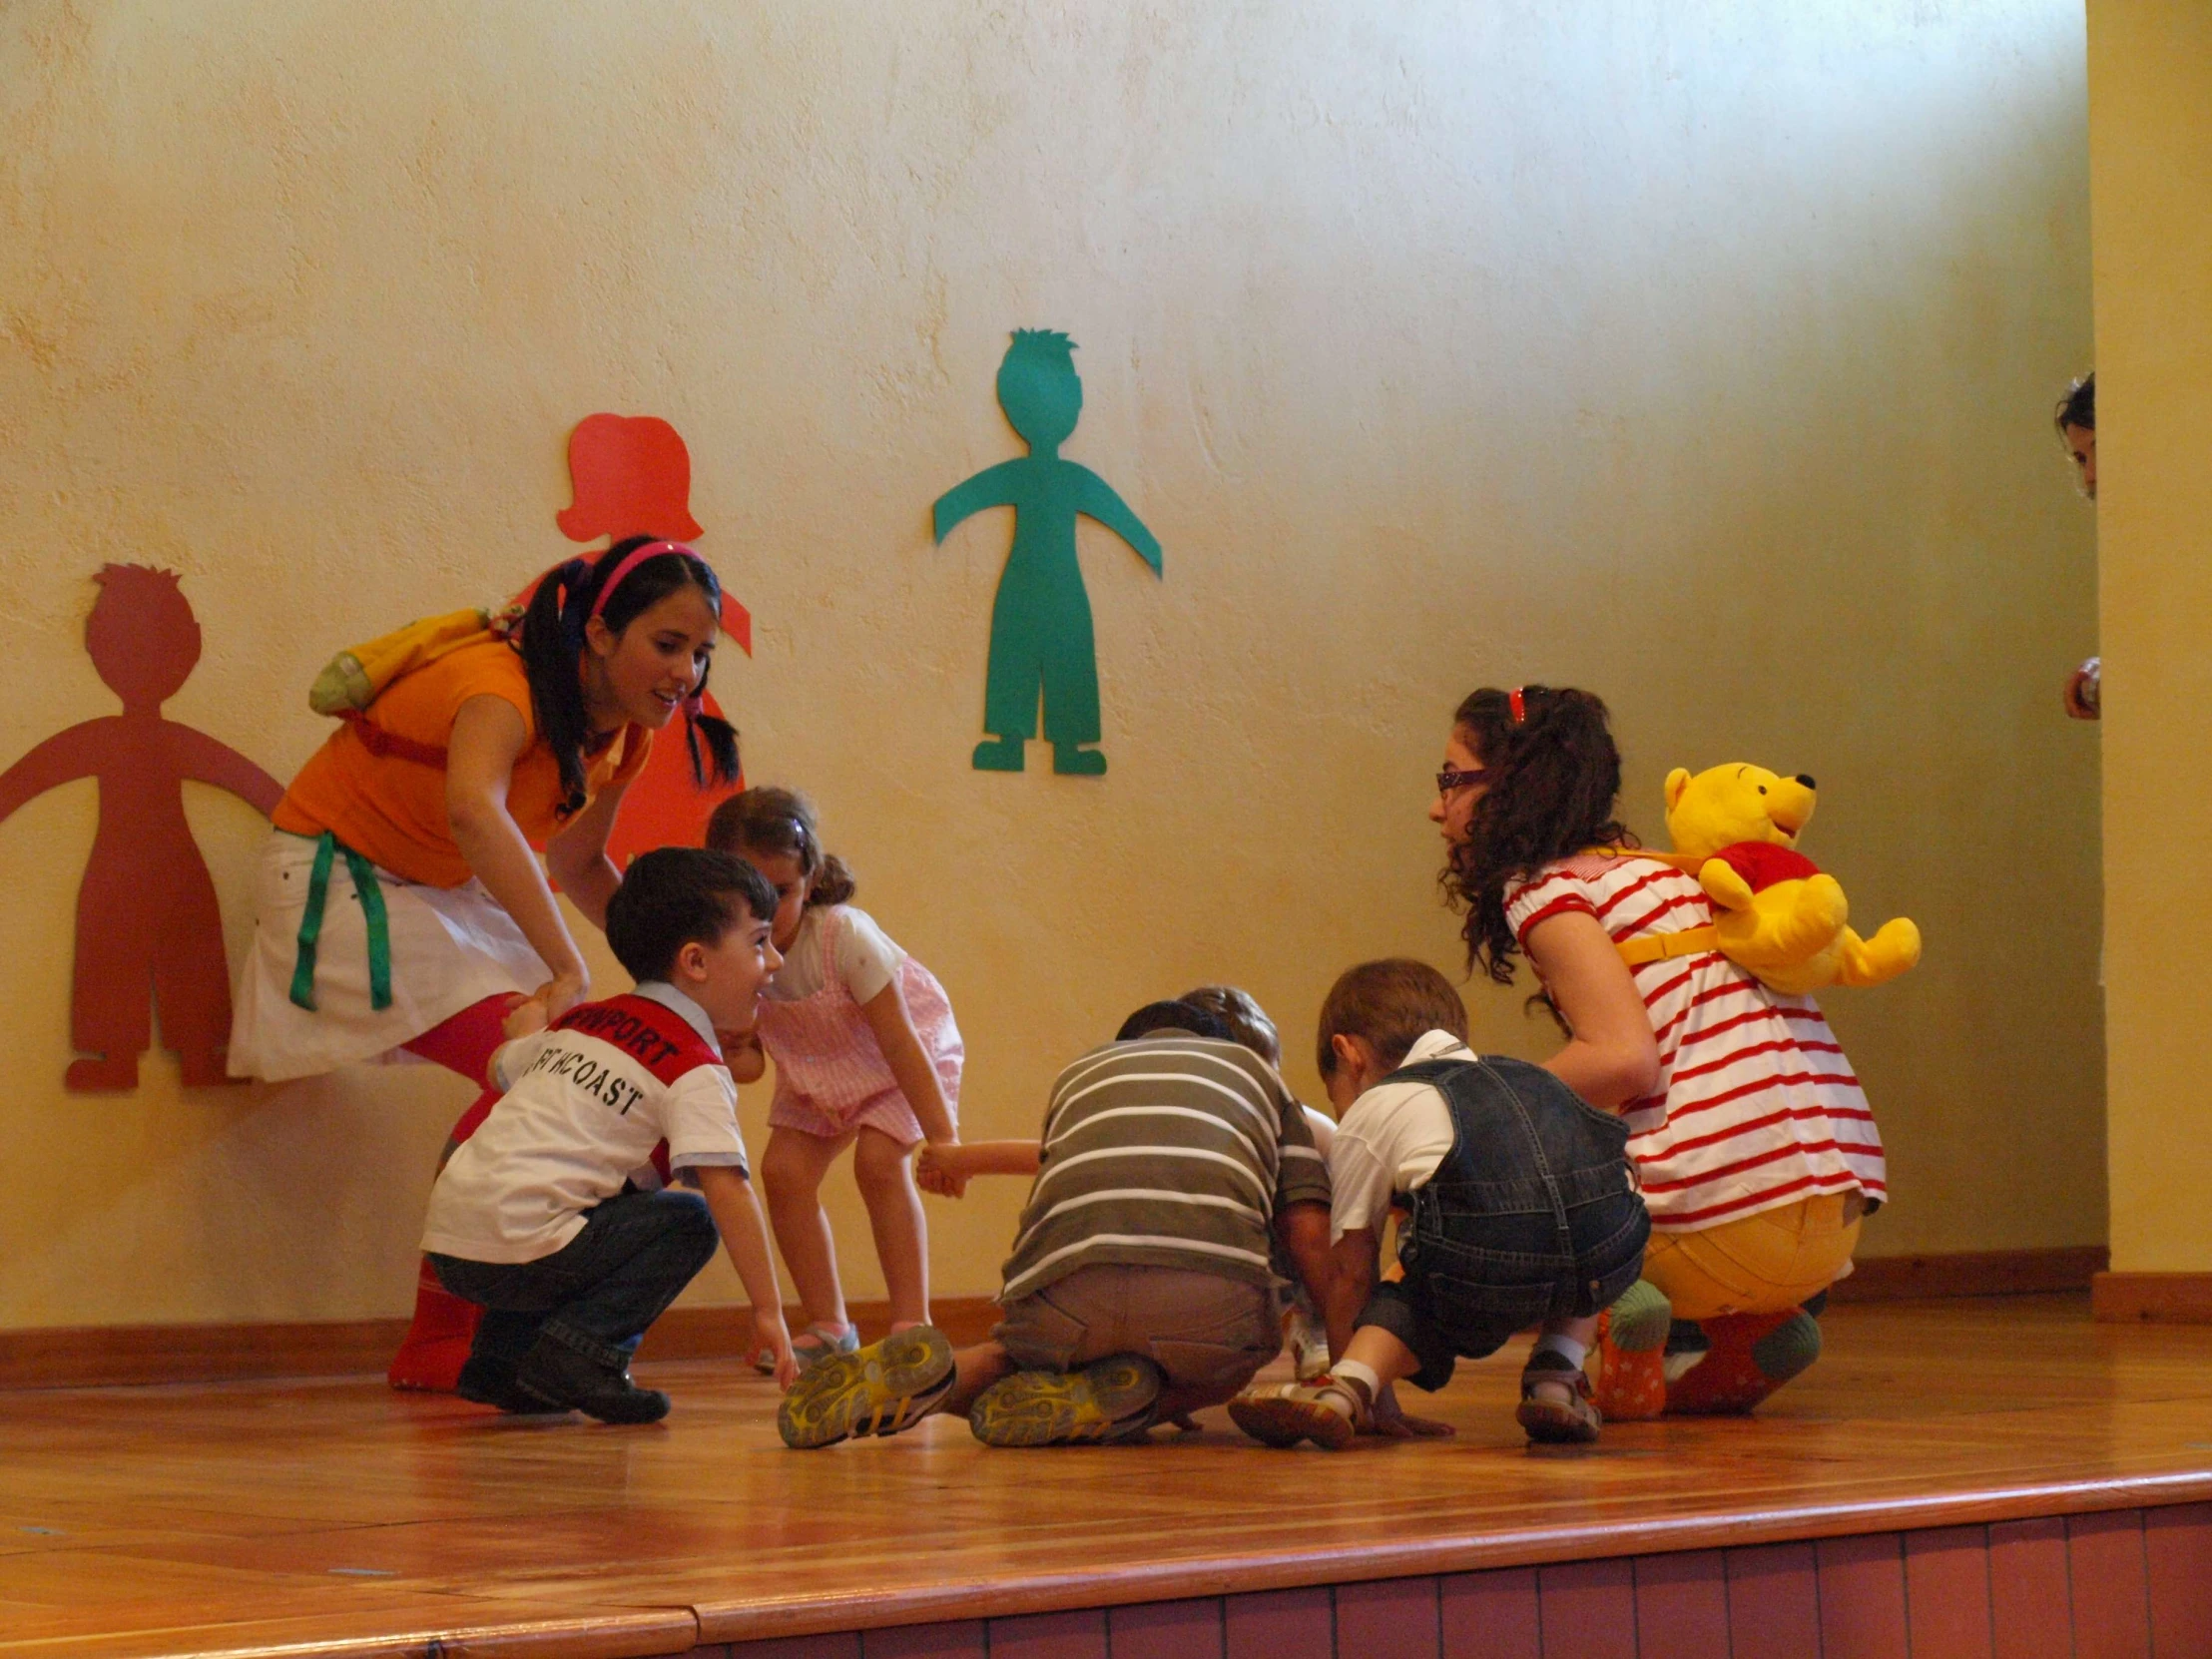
(145, 909)
(631, 476)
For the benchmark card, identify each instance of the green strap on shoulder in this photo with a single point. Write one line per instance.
(374, 916)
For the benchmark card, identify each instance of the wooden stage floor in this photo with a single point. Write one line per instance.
(338, 1517)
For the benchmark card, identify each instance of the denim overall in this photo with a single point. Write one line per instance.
(1533, 1214)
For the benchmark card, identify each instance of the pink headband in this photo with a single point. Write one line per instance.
(630, 562)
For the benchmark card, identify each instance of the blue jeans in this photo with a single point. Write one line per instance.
(599, 1292)
(1533, 1215)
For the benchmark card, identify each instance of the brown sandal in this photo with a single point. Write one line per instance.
(1548, 1419)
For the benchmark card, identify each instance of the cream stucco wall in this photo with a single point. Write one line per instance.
(1697, 354)
(2150, 82)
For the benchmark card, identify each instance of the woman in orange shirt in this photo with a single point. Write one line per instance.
(434, 799)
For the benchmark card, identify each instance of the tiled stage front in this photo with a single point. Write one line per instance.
(1996, 1477)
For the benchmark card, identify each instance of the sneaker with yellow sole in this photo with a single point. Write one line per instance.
(879, 1389)
(1108, 1399)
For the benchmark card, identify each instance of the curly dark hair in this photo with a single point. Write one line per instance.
(2078, 407)
(1554, 784)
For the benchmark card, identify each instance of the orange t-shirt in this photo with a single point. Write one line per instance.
(393, 809)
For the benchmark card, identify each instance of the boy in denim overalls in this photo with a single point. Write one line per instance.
(1521, 1210)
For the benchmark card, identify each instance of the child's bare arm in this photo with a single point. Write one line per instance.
(745, 1235)
(902, 1052)
(1612, 1057)
(946, 1169)
(1304, 1230)
(988, 1158)
(1352, 1277)
(742, 1054)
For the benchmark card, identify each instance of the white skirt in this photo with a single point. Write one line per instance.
(451, 948)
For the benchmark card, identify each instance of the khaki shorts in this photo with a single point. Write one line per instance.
(1207, 1333)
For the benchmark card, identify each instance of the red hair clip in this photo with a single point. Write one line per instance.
(1520, 710)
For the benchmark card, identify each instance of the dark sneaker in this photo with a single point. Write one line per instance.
(560, 1378)
(1108, 1399)
(878, 1390)
(489, 1383)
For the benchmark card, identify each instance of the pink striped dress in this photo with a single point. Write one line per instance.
(831, 1074)
(1756, 1105)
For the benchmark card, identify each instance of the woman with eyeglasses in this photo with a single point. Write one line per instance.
(1757, 1152)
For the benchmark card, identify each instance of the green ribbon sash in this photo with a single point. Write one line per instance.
(370, 891)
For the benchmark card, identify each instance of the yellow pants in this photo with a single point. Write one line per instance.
(1764, 1263)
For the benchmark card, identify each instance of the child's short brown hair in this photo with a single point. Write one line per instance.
(1248, 1023)
(1391, 1004)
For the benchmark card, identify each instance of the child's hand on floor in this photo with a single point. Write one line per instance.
(938, 1169)
(1390, 1422)
(527, 1015)
(770, 1332)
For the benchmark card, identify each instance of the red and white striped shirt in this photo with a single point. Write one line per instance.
(1756, 1105)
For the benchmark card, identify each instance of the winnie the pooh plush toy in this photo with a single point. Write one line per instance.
(1735, 827)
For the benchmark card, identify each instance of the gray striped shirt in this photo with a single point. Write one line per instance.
(1170, 1151)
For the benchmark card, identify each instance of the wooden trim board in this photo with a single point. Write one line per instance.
(2155, 1298)
(102, 1356)
(85, 1356)
(1972, 1273)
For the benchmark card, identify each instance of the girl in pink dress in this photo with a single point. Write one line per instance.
(867, 1056)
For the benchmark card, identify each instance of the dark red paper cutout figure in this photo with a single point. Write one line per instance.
(631, 476)
(146, 911)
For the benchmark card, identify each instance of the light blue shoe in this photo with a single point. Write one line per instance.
(810, 1348)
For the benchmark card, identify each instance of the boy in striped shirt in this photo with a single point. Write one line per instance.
(1139, 1287)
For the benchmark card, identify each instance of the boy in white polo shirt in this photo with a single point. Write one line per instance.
(1522, 1211)
(536, 1217)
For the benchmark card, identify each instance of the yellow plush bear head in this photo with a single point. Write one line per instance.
(1727, 805)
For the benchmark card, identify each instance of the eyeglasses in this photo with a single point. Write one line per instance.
(1450, 779)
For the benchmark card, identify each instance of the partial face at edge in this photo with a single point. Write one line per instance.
(2082, 442)
(784, 872)
(1454, 813)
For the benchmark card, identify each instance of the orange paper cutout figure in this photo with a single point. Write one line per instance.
(145, 909)
(631, 476)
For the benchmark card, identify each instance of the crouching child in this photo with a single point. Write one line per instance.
(1523, 1211)
(1141, 1285)
(537, 1218)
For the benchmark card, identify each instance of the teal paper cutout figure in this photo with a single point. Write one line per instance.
(1041, 635)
